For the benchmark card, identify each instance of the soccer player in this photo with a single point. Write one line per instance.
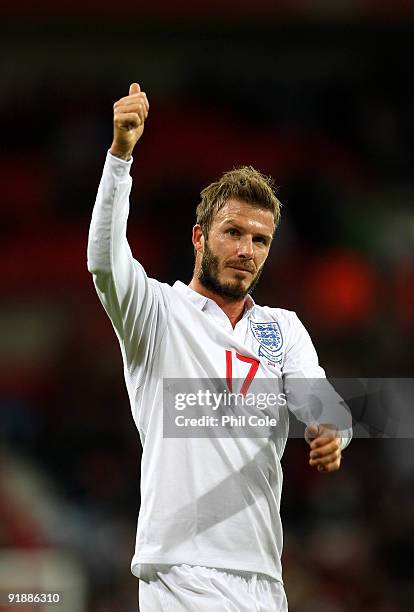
(209, 534)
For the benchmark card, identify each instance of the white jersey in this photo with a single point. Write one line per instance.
(204, 501)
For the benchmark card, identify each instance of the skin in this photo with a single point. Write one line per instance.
(239, 239)
(229, 261)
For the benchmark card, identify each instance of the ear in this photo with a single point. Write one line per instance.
(198, 239)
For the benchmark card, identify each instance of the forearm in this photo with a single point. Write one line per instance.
(121, 283)
(107, 232)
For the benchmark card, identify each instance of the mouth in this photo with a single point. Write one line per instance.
(240, 269)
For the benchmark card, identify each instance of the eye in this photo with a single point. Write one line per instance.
(232, 231)
(260, 239)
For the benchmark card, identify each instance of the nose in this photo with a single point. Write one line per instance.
(245, 250)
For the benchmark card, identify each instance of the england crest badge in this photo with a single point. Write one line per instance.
(270, 339)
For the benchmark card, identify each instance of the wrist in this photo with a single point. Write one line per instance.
(121, 154)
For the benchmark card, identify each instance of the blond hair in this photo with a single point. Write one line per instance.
(245, 184)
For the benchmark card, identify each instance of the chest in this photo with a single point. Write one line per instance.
(200, 344)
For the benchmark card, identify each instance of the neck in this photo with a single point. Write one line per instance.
(232, 308)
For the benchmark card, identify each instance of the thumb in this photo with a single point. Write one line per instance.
(134, 88)
(311, 432)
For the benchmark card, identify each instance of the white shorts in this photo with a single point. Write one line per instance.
(192, 588)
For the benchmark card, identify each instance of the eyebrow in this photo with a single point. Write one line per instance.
(239, 227)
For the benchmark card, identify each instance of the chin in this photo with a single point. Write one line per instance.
(237, 290)
(236, 278)
(232, 282)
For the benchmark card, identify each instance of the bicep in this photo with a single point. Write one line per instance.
(137, 307)
(311, 397)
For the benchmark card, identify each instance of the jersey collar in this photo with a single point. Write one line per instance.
(201, 301)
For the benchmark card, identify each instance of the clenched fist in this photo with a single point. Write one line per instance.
(129, 118)
(325, 444)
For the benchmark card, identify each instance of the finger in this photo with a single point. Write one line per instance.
(144, 95)
(326, 434)
(127, 121)
(329, 447)
(311, 432)
(134, 107)
(321, 442)
(139, 109)
(134, 88)
(140, 97)
(331, 467)
(326, 459)
(133, 104)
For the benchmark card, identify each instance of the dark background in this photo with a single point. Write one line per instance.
(319, 95)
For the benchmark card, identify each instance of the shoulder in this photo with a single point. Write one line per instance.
(286, 318)
(277, 326)
(281, 323)
(299, 355)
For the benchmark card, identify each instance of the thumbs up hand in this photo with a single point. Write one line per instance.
(130, 114)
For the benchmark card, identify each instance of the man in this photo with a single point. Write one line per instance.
(209, 534)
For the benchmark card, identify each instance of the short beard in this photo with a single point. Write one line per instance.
(208, 277)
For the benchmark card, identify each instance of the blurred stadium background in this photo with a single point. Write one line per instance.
(318, 94)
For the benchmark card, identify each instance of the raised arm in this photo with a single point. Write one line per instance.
(135, 304)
